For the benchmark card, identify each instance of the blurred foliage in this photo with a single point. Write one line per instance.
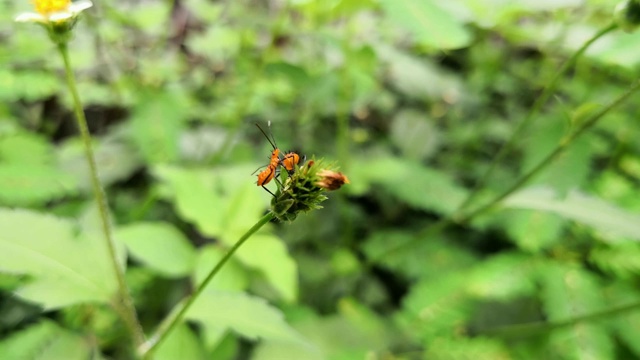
(411, 98)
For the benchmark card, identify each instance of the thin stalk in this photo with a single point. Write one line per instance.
(532, 329)
(461, 218)
(171, 322)
(124, 305)
(535, 109)
(568, 140)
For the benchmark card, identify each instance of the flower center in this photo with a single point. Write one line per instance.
(46, 7)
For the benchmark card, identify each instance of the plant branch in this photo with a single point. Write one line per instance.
(535, 109)
(564, 143)
(531, 329)
(124, 304)
(172, 321)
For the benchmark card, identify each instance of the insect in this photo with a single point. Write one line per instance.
(288, 161)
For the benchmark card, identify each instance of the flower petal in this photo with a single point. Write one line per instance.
(30, 17)
(60, 16)
(79, 6)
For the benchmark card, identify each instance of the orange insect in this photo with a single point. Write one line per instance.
(289, 161)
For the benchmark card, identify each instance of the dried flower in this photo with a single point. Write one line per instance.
(331, 180)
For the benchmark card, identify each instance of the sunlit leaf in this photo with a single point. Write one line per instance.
(249, 316)
(23, 184)
(429, 23)
(269, 255)
(181, 343)
(65, 267)
(592, 212)
(232, 277)
(43, 341)
(569, 292)
(160, 246)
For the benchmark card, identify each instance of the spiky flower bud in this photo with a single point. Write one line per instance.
(304, 190)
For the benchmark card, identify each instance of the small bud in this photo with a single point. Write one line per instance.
(627, 15)
(331, 180)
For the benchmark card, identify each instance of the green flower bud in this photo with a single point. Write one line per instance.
(627, 15)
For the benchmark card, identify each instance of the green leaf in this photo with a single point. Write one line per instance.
(622, 260)
(24, 184)
(194, 197)
(409, 260)
(232, 277)
(531, 230)
(114, 159)
(435, 307)
(569, 292)
(66, 268)
(446, 348)
(608, 219)
(44, 341)
(160, 246)
(429, 23)
(27, 85)
(626, 325)
(269, 255)
(505, 276)
(249, 316)
(418, 186)
(415, 134)
(181, 343)
(25, 148)
(156, 124)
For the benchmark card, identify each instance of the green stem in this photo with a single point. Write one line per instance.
(531, 329)
(124, 305)
(172, 321)
(564, 143)
(522, 125)
(568, 140)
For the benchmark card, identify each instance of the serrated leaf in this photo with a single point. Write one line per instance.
(627, 324)
(249, 316)
(44, 341)
(232, 277)
(435, 307)
(418, 186)
(503, 277)
(569, 292)
(531, 230)
(24, 184)
(589, 211)
(429, 23)
(160, 246)
(269, 255)
(445, 348)
(425, 257)
(622, 260)
(66, 268)
(181, 343)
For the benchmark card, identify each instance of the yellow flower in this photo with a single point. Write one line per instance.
(54, 11)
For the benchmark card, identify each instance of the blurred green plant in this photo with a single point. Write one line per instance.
(492, 210)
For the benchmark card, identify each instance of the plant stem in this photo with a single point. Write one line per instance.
(564, 143)
(531, 329)
(460, 218)
(522, 125)
(124, 303)
(172, 321)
